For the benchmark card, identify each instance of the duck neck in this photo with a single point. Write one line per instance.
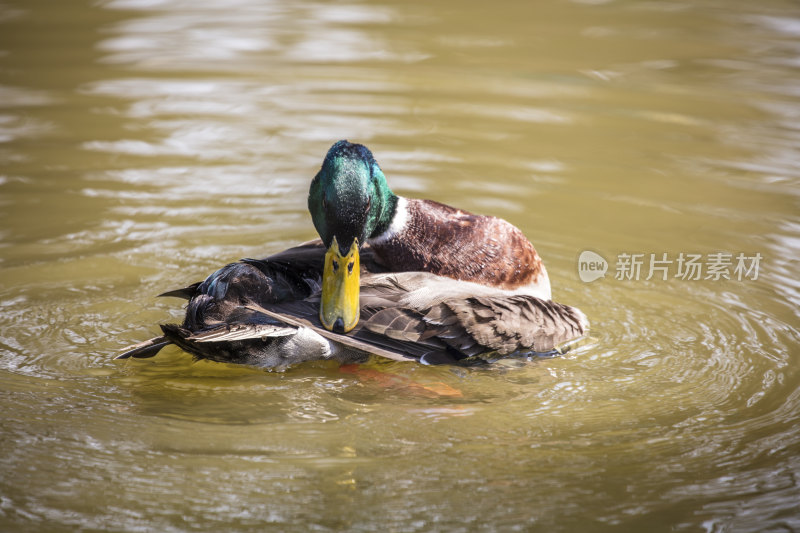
(393, 223)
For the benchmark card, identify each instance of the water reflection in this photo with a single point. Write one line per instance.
(209, 35)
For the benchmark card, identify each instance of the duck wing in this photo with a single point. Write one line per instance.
(216, 302)
(421, 316)
(404, 316)
(469, 318)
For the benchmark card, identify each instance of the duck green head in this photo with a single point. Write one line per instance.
(350, 202)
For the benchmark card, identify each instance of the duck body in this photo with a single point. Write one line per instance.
(264, 313)
(401, 278)
(428, 236)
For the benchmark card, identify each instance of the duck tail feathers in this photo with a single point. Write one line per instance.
(186, 293)
(143, 350)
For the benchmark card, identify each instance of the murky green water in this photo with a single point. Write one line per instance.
(145, 143)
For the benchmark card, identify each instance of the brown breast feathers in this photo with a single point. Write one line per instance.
(449, 242)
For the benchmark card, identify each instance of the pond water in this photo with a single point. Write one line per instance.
(143, 144)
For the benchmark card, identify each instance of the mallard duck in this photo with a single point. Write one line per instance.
(402, 278)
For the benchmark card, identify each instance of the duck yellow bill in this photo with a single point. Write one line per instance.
(340, 278)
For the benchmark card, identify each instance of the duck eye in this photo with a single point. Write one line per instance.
(335, 265)
(369, 204)
(350, 267)
(324, 203)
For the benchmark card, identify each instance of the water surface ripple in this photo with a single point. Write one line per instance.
(144, 144)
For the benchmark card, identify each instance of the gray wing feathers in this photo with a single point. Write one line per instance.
(239, 332)
(510, 323)
(409, 315)
(469, 318)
